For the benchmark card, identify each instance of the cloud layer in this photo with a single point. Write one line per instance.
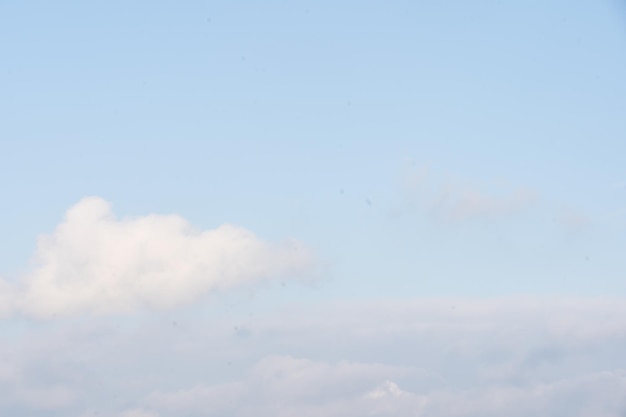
(415, 357)
(97, 263)
(281, 390)
(427, 358)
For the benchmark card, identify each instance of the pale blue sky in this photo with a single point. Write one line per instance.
(260, 114)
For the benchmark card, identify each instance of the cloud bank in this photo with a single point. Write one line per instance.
(279, 392)
(426, 358)
(415, 357)
(281, 386)
(97, 263)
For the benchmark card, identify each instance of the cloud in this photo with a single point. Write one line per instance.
(283, 386)
(97, 263)
(7, 298)
(18, 390)
(460, 204)
(446, 357)
(45, 398)
(139, 413)
(278, 390)
(455, 201)
(434, 358)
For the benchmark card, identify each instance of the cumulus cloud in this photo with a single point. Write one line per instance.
(97, 263)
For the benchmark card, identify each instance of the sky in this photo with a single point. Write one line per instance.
(312, 208)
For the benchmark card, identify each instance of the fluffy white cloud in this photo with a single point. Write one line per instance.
(95, 262)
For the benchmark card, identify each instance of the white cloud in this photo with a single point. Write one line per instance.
(97, 263)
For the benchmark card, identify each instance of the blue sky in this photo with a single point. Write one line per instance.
(209, 109)
(414, 150)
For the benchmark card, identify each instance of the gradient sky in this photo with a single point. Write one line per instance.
(414, 149)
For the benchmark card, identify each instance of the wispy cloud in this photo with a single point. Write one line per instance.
(461, 204)
(457, 201)
(573, 220)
